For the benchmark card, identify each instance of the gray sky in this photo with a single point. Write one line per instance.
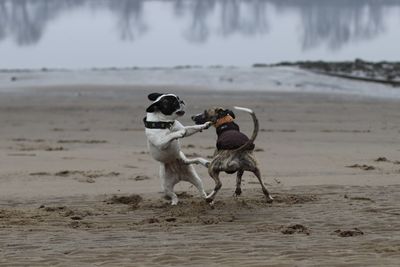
(154, 33)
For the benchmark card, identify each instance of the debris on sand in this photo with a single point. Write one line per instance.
(87, 174)
(39, 174)
(21, 154)
(28, 140)
(53, 209)
(362, 167)
(66, 173)
(41, 147)
(141, 178)
(133, 200)
(382, 159)
(295, 229)
(150, 221)
(359, 198)
(88, 180)
(74, 141)
(347, 233)
(294, 199)
(58, 148)
(184, 195)
(130, 166)
(209, 220)
(61, 210)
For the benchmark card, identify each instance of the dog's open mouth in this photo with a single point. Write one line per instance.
(180, 113)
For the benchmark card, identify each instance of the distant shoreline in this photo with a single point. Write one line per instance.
(344, 66)
(302, 77)
(379, 72)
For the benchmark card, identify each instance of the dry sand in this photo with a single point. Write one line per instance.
(78, 188)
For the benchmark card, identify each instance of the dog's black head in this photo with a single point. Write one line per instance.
(212, 114)
(167, 104)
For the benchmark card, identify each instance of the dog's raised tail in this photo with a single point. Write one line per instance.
(255, 130)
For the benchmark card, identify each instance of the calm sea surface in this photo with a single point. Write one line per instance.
(127, 33)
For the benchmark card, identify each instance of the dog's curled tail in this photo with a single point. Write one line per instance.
(255, 130)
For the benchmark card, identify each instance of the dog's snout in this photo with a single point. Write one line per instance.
(180, 112)
(198, 119)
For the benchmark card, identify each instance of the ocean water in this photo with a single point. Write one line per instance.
(230, 79)
(84, 34)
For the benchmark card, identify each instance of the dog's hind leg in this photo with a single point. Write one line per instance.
(168, 185)
(257, 173)
(238, 190)
(215, 175)
(187, 161)
(195, 180)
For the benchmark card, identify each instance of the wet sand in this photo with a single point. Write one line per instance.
(77, 186)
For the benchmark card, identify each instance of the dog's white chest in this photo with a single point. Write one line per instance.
(163, 154)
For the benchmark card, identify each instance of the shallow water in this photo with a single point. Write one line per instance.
(105, 33)
(232, 79)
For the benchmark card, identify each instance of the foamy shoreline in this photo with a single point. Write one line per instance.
(266, 79)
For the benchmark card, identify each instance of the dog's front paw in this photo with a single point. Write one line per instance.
(174, 202)
(207, 125)
(210, 202)
(180, 134)
(204, 162)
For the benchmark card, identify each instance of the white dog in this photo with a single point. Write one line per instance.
(163, 132)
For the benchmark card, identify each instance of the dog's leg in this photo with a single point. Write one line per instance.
(257, 173)
(168, 186)
(195, 180)
(169, 191)
(164, 141)
(187, 161)
(238, 190)
(215, 175)
(190, 130)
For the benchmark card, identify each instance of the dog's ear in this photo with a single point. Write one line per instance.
(154, 96)
(219, 111)
(152, 108)
(230, 112)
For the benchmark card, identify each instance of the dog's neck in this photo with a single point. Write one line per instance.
(223, 120)
(158, 117)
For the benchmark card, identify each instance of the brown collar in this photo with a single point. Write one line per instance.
(223, 120)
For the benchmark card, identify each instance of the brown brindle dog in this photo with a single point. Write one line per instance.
(234, 151)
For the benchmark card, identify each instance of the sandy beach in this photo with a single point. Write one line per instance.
(78, 187)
